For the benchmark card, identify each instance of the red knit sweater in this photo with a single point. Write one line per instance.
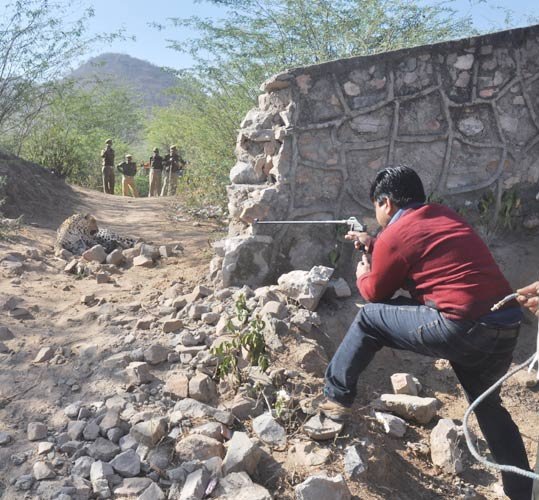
(435, 255)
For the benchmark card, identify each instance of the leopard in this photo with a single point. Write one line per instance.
(111, 241)
(80, 232)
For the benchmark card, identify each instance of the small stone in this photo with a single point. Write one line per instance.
(210, 318)
(269, 431)
(95, 254)
(354, 465)
(82, 467)
(42, 470)
(24, 482)
(75, 429)
(195, 485)
(321, 428)
(143, 261)
(144, 323)
(116, 257)
(72, 410)
(156, 354)
(321, 487)
(5, 333)
(153, 492)
(444, 449)
(308, 455)
(394, 426)
(139, 373)
(36, 431)
(103, 449)
(132, 487)
(199, 447)
(44, 354)
(464, 62)
(403, 383)
(177, 385)
(149, 433)
(191, 408)
(202, 388)
(172, 325)
(102, 278)
(422, 410)
(91, 431)
(127, 464)
(242, 454)
(5, 438)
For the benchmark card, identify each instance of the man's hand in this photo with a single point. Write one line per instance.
(360, 239)
(363, 267)
(528, 296)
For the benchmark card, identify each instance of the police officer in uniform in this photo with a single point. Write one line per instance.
(107, 170)
(156, 170)
(174, 165)
(128, 169)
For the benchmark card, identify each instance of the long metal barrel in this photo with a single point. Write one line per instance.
(256, 221)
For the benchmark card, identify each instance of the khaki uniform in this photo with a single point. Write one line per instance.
(128, 170)
(174, 169)
(107, 170)
(156, 173)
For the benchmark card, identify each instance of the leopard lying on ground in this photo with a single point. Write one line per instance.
(80, 232)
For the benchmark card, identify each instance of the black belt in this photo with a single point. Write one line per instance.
(500, 332)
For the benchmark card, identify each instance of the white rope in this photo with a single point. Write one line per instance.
(530, 362)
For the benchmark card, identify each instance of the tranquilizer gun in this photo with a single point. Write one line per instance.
(352, 223)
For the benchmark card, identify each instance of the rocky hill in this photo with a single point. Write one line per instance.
(151, 83)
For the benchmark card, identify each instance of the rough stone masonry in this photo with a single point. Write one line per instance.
(464, 113)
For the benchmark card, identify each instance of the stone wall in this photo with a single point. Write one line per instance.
(465, 114)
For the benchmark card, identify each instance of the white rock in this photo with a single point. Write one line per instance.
(444, 449)
(321, 487)
(306, 287)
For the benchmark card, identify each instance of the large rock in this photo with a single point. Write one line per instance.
(322, 487)
(306, 287)
(444, 449)
(42, 470)
(246, 260)
(138, 373)
(422, 410)
(242, 454)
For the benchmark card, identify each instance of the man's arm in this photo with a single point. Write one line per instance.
(387, 273)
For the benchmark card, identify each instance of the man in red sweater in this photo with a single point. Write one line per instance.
(430, 251)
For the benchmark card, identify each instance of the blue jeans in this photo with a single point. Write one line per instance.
(478, 355)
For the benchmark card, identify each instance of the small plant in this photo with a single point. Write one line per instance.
(509, 205)
(249, 339)
(282, 403)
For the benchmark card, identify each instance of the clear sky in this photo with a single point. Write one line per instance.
(151, 45)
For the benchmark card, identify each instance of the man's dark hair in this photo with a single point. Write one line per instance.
(400, 184)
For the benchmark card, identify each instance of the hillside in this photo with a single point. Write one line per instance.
(151, 83)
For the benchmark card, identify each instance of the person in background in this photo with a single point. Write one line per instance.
(174, 165)
(107, 170)
(128, 169)
(156, 171)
